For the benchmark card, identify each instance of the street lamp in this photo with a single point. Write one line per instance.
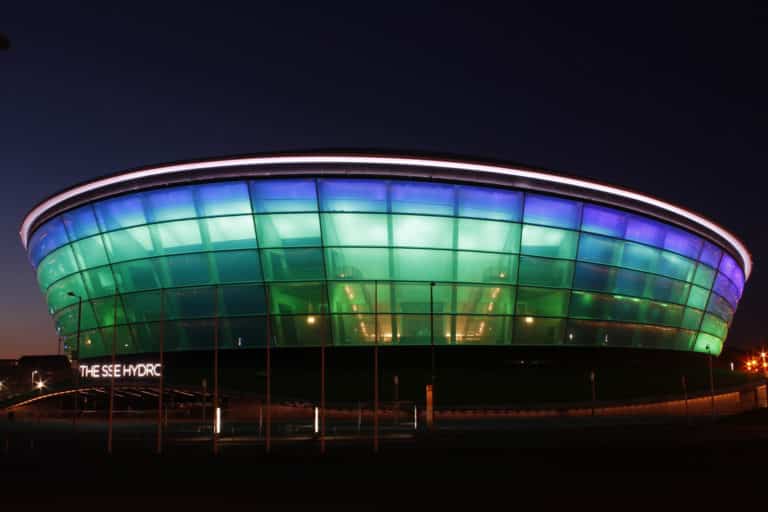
(33, 376)
(77, 355)
(711, 382)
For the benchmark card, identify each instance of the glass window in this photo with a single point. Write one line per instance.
(178, 237)
(128, 244)
(412, 298)
(542, 302)
(725, 288)
(604, 221)
(478, 267)
(475, 330)
(120, 212)
(58, 297)
(668, 290)
(46, 239)
(682, 242)
(710, 254)
(730, 268)
(293, 264)
(551, 211)
(720, 307)
(170, 203)
(646, 231)
(594, 277)
(635, 284)
(358, 263)
(138, 275)
(80, 222)
(545, 272)
(715, 326)
(704, 276)
(298, 298)
(237, 266)
(348, 330)
(285, 195)
(225, 198)
(242, 333)
(675, 266)
(301, 330)
(482, 300)
(99, 282)
(199, 302)
(423, 265)
(698, 297)
(225, 233)
(550, 242)
(188, 269)
(640, 257)
(366, 229)
(56, 265)
(408, 329)
(90, 252)
(351, 195)
(420, 231)
(691, 319)
(66, 321)
(143, 307)
(288, 230)
(708, 344)
(598, 249)
(486, 235)
(418, 197)
(353, 297)
(489, 203)
(530, 330)
(104, 310)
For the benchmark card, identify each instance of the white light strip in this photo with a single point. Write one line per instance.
(381, 160)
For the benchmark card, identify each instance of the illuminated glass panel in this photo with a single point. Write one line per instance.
(355, 229)
(704, 276)
(340, 195)
(422, 231)
(90, 252)
(139, 275)
(545, 272)
(46, 239)
(237, 266)
(80, 222)
(225, 233)
(604, 221)
(478, 267)
(551, 211)
(170, 204)
(550, 242)
(698, 297)
(58, 264)
(292, 264)
(129, 244)
(178, 237)
(530, 330)
(120, 212)
(99, 282)
(542, 302)
(287, 195)
(355, 297)
(288, 230)
(243, 299)
(188, 270)
(598, 249)
(485, 235)
(418, 197)
(58, 297)
(487, 203)
(710, 254)
(411, 265)
(299, 298)
(708, 344)
(226, 198)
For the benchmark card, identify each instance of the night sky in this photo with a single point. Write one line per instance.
(668, 102)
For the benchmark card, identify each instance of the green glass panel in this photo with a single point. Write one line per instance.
(90, 252)
(478, 267)
(423, 265)
(704, 276)
(708, 344)
(714, 325)
(691, 319)
(288, 230)
(545, 272)
(676, 266)
(640, 257)
(698, 297)
(128, 244)
(247, 299)
(197, 302)
(188, 270)
(474, 330)
(99, 282)
(530, 330)
(542, 302)
(191, 334)
(243, 333)
(668, 290)
(58, 264)
(488, 235)
(410, 298)
(138, 275)
(358, 263)
(226, 233)
(58, 297)
(409, 329)
(421, 231)
(148, 337)
(178, 237)
(353, 297)
(143, 307)
(599, 249)
(356, 329)
(299, 298)
(104, 310)
(550, 242)
(292, 264)
(237, 266)
(355, 229)
(301, 330)
(66, 319)
(627, 309)
(632, 283)
(484, 300)
(95, 342)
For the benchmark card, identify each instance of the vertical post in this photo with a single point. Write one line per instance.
(268, 444)
(205, 402)
(162, 374)
(396, 381)
(376, 368)
(112, 378)
(432, 337)
(685, 398)
(322, 395)
(216, 370)
(594, 394)
(430, 407)
(77, 360)
(711, 382)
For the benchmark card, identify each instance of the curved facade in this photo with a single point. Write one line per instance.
(348, 251)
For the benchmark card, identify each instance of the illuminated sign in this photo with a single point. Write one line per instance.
(121, 371)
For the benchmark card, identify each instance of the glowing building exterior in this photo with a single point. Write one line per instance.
(351, 250)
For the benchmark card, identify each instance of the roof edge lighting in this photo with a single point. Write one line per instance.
(578, 183)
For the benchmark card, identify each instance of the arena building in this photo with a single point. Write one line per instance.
(306, 250)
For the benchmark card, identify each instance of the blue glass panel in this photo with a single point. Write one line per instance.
(48, 237)
(599, 249)
(710, 255)
(682, 242)
(297, 195)
(676, 266)
(726, 289)
(551, 211)
(730, 268)
(80, 222)
(720, 307)
(605, 221)
(226, 198)
(413, 197)
(170, 204)
(640, 257)
(120, 212)
(340, 195)
(647, 231)
(488, 203)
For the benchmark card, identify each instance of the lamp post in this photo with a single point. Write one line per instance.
(432, 329)
(77, 356)
(711, 382)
